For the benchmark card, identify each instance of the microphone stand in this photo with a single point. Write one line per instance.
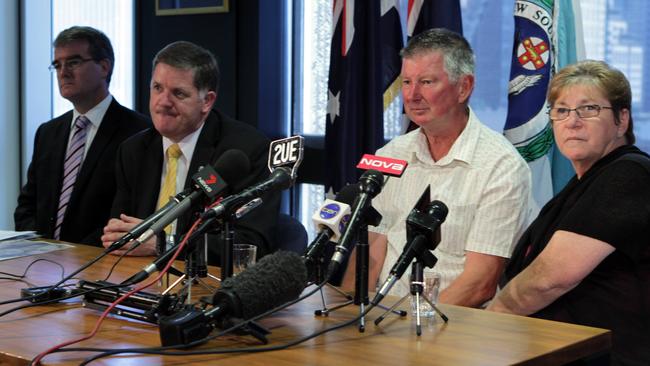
(361, 275)
(371, 217)
(228, 239)
(417, 286)
(196, 268)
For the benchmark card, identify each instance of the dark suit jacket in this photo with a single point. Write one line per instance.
(92, 196)
(139, 169)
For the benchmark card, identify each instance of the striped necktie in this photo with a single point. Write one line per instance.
(71, 166)
(168, 188)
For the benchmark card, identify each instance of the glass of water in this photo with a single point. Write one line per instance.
(243, 256)
(431, 287)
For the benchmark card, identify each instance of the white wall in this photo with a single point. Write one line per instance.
(9, 111)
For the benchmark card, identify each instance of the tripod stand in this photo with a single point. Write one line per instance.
(196, 269)
(361, 283)
(417, 286)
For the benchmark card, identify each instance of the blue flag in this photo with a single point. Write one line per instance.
(534, 60)
(355, 105)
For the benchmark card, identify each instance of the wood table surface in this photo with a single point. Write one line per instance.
(472, 337)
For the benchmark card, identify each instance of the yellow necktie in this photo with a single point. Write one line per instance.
(168, 188)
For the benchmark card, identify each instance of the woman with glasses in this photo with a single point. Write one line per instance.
(586, 258)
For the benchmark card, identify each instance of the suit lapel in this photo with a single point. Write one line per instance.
(148, 183)
(204, 154)
(205, 149)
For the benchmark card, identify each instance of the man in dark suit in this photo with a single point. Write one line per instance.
(71, 178)
(183, 90)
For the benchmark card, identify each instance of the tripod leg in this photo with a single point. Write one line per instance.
(325, 310)
(214, 277)
(204, 284)
(391, 309)
(362, 320)
(341, 292)
(401, 313)
(171, 287)
(418, 321)
(435, 308)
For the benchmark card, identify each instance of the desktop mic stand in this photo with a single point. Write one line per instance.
(228, 239)
(372, 217)
(196, 269)
(417, 285)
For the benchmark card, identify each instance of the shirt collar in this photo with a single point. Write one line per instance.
(187, 144)
(96, 114)
(462, 149)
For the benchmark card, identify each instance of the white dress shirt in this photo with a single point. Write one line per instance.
(483, 181)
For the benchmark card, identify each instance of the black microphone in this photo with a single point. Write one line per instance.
(146, 223)
(424, 232)
(370, 184)
(274, 280)
(233, 166)
(279, 179)
(330, 219)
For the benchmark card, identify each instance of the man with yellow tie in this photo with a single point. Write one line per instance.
(158, 163)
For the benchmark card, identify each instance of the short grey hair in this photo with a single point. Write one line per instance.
(457, 53)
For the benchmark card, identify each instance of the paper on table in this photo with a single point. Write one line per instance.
(23, 248)
(15, 235)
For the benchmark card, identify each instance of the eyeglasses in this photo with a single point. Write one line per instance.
(583, 111)
(70, 64)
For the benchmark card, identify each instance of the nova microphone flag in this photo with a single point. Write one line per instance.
(534, 60)
(355, 104)
(389, 166)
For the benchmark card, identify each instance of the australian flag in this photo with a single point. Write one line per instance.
(354, 104)
(427, 14)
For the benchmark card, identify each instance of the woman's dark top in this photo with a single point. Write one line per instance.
(611, 203)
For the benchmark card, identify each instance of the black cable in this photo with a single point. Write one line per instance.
(119, 259)
(233, 350)
(31, 264)
(52, 301)
(17, 280)
(70, 276)
(200, 341)
(166, 349)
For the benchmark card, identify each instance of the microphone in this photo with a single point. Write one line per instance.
(370, 184)
(279, 179)
(146, 223)
(424, 235)
(330, 220)
(274, 280)
(233, 165)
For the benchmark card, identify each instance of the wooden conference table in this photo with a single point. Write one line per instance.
(472, 337)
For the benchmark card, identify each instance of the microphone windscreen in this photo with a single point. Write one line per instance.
(437, 210)
(348, 194)
(233, 166)
(274, 280)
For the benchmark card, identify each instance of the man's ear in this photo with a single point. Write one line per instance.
(208, 101)
(465, 86)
